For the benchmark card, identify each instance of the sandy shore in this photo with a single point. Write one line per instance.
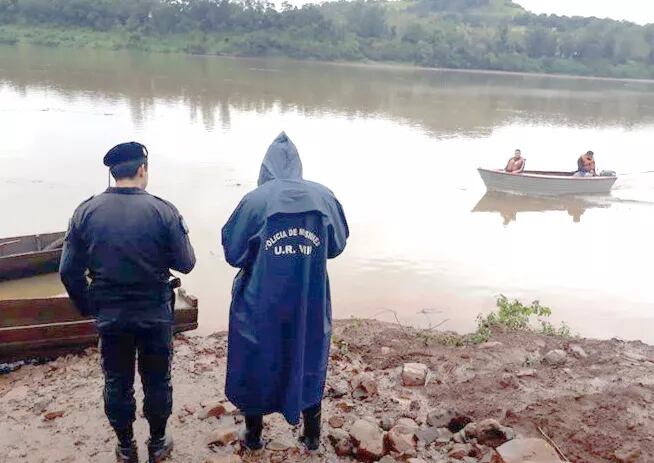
(593, 399)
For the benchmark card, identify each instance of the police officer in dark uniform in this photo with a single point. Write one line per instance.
(116, 263)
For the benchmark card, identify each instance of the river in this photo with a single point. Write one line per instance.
(398, 146)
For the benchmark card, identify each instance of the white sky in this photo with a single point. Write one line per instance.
(638, 11)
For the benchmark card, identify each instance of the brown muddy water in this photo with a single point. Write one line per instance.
(399, 147)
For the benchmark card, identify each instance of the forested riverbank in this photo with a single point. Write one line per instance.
(459, 34)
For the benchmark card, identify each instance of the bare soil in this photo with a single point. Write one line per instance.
(592, 407)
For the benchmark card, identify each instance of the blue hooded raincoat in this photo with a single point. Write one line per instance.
(280, 236)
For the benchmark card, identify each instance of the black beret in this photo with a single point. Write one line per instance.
(125, 152)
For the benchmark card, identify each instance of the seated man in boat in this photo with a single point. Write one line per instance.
(516, 164)
(128, 241)
(586, 165)
(280, 237)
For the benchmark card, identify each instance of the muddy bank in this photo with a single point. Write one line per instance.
(593, 399)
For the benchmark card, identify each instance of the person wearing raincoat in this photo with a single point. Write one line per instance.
(280, 237)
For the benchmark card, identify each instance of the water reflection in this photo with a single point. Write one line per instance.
(399, 148)
(508, 205)
(444, 103)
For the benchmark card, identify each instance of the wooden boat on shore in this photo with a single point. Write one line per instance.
(24, 256)
(49, 327)
(543, 183)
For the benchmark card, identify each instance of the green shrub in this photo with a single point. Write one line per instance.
(514, 315)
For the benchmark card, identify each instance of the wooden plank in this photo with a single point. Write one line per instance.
(24, 312)
(29, 264)
(27, 312)
(66, 331)
(53, 331)
(29, 243)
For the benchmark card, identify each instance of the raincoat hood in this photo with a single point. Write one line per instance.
(282, 161)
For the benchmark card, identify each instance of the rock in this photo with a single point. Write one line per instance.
(345, 406)
(370, 419)
(440, 417)
(337, 390)
(336, 421)
(190, 409)
(407, 426)
(279, 445)
(459, 451)
(364, 386)
(628, 455)
(406, 394)
(218, 409)
(201, 365)
(41, 406)
(224, 459)
(459, 422)
(489, 433)
(53, 415)
(369, 440)
(416, 460)
(401, 438)
(385, 350)
(414, 374)
(490, 345)
(488, 455)
(411, 414)
(340, 440)
(526, 372)
(415, 405)
(387, 459)
(403, 444)
(223, 436)
(530, 450)
(508, 381)
(387, 423)
(431, 434)
(577, 351)
(555, 357)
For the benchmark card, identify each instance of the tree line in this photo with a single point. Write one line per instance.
(466, 34)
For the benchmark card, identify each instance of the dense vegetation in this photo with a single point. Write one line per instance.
(481, 34)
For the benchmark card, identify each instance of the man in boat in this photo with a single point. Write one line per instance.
(128, 241)
(586, 165)
(516, 164)
(280, 237)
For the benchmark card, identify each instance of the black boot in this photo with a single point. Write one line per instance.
(311, 437)
(127, 454)
(126, 449)
(253, 430)
(159, 449)
(160, 446)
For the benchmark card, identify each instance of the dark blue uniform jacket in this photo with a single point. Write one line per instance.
(280, 236)
(128, 240)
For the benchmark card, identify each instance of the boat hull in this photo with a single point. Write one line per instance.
(26, 256)
(50, 327)
(545, 183)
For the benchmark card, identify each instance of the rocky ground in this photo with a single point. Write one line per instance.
(393, 394)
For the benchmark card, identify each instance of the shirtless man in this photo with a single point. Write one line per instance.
(516, 164)
(586, 165)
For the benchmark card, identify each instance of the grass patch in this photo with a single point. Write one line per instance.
(514, 315)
